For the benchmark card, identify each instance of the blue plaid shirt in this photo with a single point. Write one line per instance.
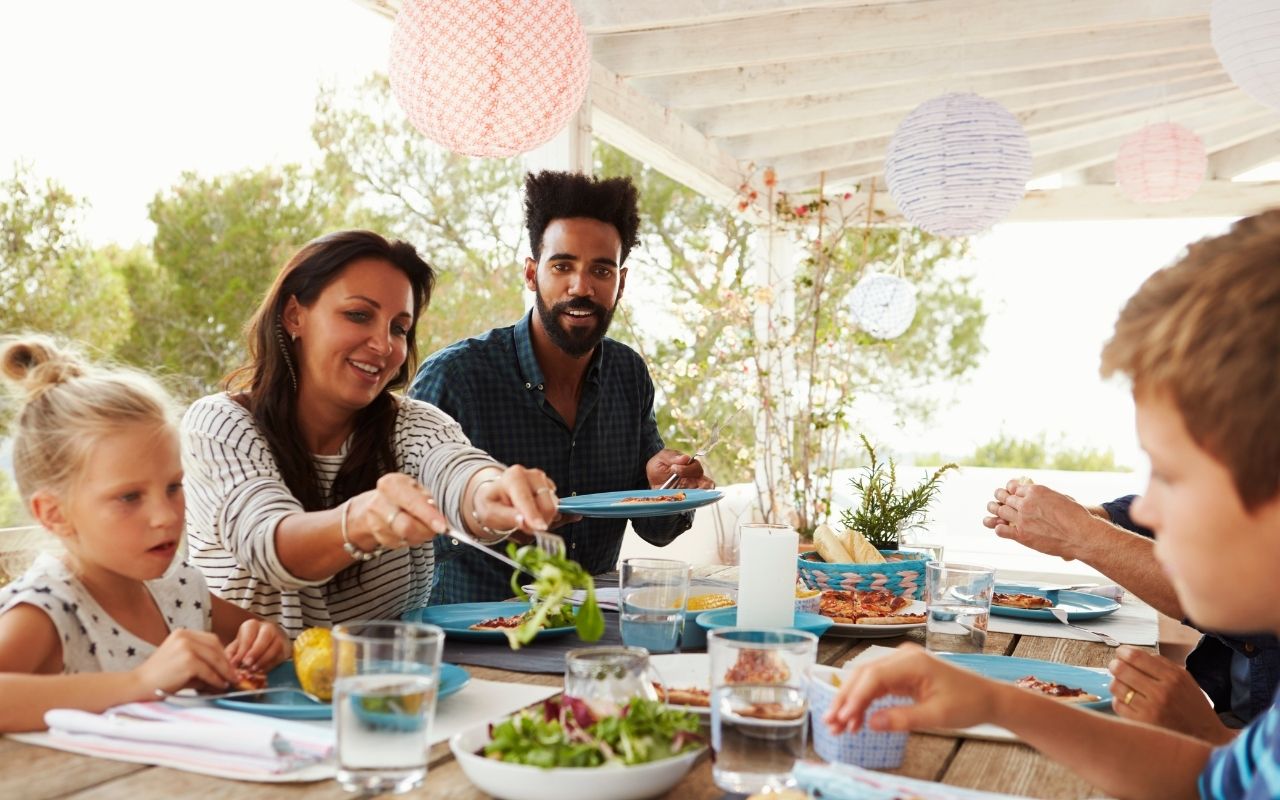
(493, 386)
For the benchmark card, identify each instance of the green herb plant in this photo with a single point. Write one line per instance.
(555, 578)
(885, 509)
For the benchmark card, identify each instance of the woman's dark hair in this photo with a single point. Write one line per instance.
(266, 385)
(562, 195)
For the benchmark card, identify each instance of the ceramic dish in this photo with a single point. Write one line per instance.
(456, 620)
(728, 618)
(296, 706)
(1078, 605)
(1010, 669)
(608, 504)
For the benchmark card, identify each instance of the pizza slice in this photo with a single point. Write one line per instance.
(1020, 600)
(774, 712)
(687, 696)
(758, 666)
(248, 680)
(498, 623)
(657, 498)
(1057, 691)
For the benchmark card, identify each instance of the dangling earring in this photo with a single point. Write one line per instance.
(288, 358)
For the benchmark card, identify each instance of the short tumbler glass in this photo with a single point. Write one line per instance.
(958, 597)
(653, 593)
(384, 702)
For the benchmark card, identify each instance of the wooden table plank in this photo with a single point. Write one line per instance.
(39, 773)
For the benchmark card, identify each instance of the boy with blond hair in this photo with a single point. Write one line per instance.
(1200, 342)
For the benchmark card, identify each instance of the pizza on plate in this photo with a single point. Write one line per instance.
(1057, 691)
(1020, 600)
(657, 498)
(498, 623)
(776, 712)
(874, 607)
(687, 696)
(758, 666)
(248, 680)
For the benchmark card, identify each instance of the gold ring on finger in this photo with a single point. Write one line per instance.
(391, 518)
(1128, 696)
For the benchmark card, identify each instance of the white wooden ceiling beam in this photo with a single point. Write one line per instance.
(819, 34)
(645, 130)
(776, 81)
(1054, 84)
(769, 145)
(1240, 158)
(620, 16)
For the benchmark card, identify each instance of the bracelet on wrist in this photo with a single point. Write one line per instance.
(348, 547)
(497, 536)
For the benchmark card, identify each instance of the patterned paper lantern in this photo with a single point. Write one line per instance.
(489, 77)
(958, 164)
(1246, 35)
(1161, 163)
(883, 305)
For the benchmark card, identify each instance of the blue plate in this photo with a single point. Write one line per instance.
(1009, 669)
(728, 617)
(608, 504)
(456, 620)
(287, 705)
(1078, 604)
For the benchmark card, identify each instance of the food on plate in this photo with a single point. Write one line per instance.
(560, 619)
(758, 666)
(771, 711)
(1057, 691)
(564, 733)
(657, 498)
(706, 602)
(556, 576)
(248, 679)
(313, 661)
(829, 546)
(803, 593)
(874, 607)
(862, 550)
(1020, 600)
(498, 623)
(684, 696)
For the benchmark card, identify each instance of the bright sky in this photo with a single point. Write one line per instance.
(116, 100)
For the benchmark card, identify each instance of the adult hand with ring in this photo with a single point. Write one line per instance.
(517, 500)
(1151, 689)
(400, 512)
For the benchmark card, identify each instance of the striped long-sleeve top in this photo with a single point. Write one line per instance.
(236, 497)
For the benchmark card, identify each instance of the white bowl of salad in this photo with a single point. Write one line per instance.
(562, 752)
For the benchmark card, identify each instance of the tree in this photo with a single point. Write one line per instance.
(12, 513)
(1034, 453)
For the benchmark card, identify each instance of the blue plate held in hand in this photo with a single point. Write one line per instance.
(1009, 669)
(611, 504)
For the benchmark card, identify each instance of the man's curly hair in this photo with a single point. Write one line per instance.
(560, 195)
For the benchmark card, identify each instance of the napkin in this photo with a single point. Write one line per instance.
(846, 782)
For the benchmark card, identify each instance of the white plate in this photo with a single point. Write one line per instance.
(880, 631)
(606, 596)
(521, 782)
(685, 671)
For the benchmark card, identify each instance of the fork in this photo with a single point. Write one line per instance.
(705, 449)
(547, 542)
(201, 699)
(1060, 614)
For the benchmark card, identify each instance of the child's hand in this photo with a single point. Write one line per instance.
(185, 658)
(258, 645)
(946, 696)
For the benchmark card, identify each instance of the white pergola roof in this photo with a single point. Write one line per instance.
(712, 91)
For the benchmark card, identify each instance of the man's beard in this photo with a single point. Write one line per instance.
(576, 342)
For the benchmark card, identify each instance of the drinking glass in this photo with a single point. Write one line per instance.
(606, 678)
(652, 595)
(958, 597)
(759, 706)
(384, 701)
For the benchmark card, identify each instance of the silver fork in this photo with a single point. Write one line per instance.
(546, 541)
(202, 699)
(1060, 614)
(705, 449)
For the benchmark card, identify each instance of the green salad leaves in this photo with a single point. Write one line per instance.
(555, 578)
(567, 734)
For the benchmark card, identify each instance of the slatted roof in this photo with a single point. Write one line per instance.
(711, 91)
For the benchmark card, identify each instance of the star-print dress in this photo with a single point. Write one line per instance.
(91, 640)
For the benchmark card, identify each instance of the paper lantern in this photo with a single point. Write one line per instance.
(489, 77)
(1246, 36)
(1161, 163)
(883, 305)
(958, 164)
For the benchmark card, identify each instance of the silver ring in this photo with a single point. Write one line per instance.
(391, 518)
(544, 490)
(506, 532)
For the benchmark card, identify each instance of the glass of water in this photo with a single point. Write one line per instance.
(958, 597)
(384, 701)
(607, 678)
(653, 593)
(759, 706)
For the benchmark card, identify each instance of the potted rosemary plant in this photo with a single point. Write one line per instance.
(887, 511)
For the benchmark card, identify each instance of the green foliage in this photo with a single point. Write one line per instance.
(12, 514)
(885, 510)
(1033, 453)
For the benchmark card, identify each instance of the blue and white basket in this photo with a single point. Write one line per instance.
(903, 578)
(866, 748)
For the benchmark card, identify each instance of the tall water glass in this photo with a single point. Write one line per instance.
(652, 594)
(384, 701)
(759, 706)
(958, 597)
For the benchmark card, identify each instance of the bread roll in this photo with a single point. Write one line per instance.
(830, 547)
(863, 552)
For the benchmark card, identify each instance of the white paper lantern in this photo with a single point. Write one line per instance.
(489, 77)
(1246, 35)
(1161, 163)
(958, 164)
(883, 305)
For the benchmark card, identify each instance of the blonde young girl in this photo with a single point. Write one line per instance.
(112, 619)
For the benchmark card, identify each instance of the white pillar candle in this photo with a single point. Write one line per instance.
(767, 576)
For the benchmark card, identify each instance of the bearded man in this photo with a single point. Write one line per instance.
(553, 392)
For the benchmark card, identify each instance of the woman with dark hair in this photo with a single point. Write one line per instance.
(313, 493)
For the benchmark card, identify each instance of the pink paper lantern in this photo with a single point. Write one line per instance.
(489, 77)
(1161, 163)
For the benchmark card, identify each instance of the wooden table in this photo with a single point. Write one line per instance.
(36, 773)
